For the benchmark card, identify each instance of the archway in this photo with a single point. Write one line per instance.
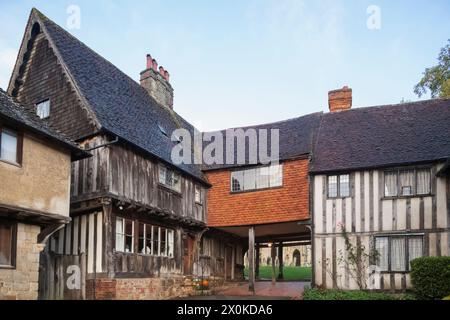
(296, 258)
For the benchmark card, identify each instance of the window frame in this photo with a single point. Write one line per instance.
(198, 189)
(257, 170)
(338, 186)
(49, 108)
(19, 145)
(174, 173)
(13, 245)
(397, 172)
(124, 234)
(406, 237)
(156, 252)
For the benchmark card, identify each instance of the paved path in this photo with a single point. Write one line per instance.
(266, 289)
(263, 290)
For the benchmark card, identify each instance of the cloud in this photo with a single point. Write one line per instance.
(7, 60)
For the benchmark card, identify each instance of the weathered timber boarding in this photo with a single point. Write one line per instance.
(119, 172)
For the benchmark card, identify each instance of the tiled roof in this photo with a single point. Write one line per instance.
(383, 136)
(121, 106)
(296, 138)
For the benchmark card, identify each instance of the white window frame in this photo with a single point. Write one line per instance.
(338, 186)
(414, 193)
(14, 134)
(406, 238)
(124, 235)
(254, 174)
(155, 249)
(163, 171)
(198, 194)
(145, 238)
(170, 242)
(41, 112)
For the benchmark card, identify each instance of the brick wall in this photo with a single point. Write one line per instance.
(21, 283)
(287, 203)
(44, 79)
(139, 288)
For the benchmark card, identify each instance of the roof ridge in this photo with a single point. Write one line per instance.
(318, 113)
(402, 104)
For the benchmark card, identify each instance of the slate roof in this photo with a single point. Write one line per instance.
(121, 106)
(296, 137)
(18, 114)
(383, 136)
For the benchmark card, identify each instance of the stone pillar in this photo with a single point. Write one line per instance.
(251, 259)
(280, 261)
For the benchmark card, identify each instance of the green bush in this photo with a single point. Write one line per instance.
(430, 277)
(317, 294)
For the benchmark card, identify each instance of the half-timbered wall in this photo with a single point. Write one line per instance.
(84, 235)
(122, 173)
(367, 213)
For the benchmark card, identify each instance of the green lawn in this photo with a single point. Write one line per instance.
(316, 294)
(290, 273)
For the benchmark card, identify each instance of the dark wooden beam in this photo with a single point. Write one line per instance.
(251, 259)
(280, 261)
(48, 231)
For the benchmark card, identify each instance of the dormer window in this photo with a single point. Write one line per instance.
(43, 109)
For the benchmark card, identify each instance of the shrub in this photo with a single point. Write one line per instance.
(430, 277)
(318, 294)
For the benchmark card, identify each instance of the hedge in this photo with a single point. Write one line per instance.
(318, 294)
(430, 277)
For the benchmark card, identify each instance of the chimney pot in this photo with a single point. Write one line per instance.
(340, 100)
(149, 61)
(162, 72)
(156, 82)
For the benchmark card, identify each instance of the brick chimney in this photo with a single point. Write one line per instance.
(156, 82)
(340, 100)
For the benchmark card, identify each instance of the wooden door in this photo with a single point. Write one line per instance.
(62, 277)
(228, 262)
(188, 258)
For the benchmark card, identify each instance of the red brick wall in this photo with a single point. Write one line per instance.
(288, 203)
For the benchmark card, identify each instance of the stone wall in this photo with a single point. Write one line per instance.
(41, 183)
(21, 283)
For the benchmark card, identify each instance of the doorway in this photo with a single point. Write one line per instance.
(188, 257)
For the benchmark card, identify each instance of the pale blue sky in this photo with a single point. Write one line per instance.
(240, 62)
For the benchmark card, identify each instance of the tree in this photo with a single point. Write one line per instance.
(437, 78)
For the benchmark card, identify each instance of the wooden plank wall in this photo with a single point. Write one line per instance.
(122, 172)
(83, 235)
(212, 261)
(365, 214)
